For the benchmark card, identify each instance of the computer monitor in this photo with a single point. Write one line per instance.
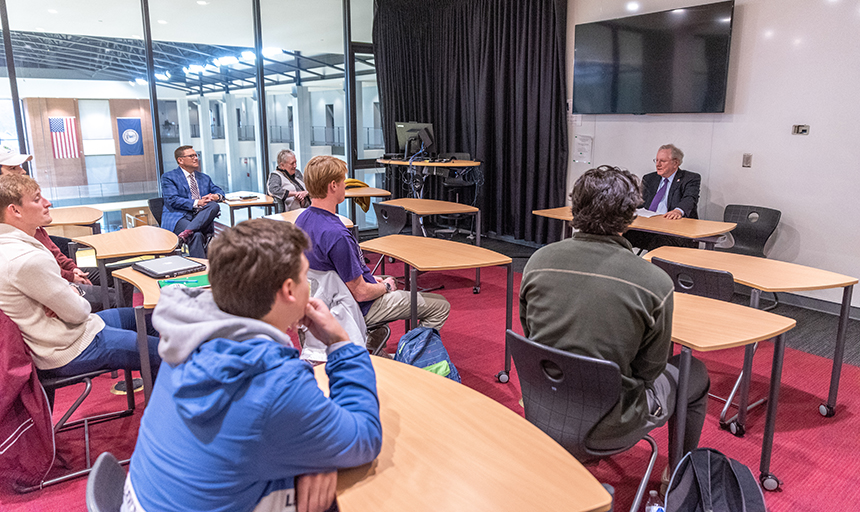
(411, 136)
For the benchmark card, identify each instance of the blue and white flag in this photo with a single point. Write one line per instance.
(130, 138)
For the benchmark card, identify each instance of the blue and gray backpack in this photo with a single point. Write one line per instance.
(422, 347)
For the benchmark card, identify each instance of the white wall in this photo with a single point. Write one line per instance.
(792, 62)
(83, 89)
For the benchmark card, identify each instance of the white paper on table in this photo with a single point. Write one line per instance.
(642, 212)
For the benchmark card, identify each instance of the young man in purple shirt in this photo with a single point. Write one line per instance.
(334, 248)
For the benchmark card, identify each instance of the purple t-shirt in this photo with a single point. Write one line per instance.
(334, 248)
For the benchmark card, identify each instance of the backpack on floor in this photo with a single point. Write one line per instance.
(422, 347)
(707, 480)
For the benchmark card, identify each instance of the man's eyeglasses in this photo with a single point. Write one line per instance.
(190, 156)
(662, 161)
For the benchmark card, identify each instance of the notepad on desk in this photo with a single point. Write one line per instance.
(189, 282)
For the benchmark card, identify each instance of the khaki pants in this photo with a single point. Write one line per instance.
(433, 309)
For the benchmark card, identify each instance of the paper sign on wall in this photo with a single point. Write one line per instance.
(582, 148)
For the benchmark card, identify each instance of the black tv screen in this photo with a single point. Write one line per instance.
(674, 61)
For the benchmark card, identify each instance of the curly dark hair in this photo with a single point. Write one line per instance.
(248, 263)
(604, 200)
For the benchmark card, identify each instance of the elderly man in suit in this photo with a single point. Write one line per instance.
(670, 191)
(190, 201)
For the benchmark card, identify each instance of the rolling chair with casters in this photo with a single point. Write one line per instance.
(50, 385)
(454, 186)
(566, 395)
(392, 220)
(714, 284)
(755, 225)
(105, 485)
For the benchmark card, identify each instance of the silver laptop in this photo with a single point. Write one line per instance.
(170, 266)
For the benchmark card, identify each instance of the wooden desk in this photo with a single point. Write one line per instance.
(421, 254)
(147, 286)
(705, 231)
(77, 216)
(261, 200)
(762, 274)
(423, 207)
(366, 192)
(703, 324)
(448, 447)
(127, 243)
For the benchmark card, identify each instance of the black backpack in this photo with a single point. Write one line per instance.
(706, 480)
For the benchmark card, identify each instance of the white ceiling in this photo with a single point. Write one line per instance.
(312, 27)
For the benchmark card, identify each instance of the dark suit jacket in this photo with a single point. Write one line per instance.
(683, 194)
(177, 196)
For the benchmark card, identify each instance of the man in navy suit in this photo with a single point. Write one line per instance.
(190, 201)
(670, 191)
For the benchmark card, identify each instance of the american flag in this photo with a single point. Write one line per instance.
(64, 137)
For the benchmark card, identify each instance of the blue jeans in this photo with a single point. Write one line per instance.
(114, 348)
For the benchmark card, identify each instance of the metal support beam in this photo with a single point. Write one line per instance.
(263, 139)
(13, 82)
(153, 95)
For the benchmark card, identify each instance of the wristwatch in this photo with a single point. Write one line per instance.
(78, 289)
(387, 286)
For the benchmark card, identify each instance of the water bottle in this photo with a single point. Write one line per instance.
(654, 503)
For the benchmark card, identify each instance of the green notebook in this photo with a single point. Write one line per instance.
(190, 282)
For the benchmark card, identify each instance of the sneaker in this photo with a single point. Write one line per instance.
(185, 236)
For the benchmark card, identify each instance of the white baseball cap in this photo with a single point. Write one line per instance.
(9, 156)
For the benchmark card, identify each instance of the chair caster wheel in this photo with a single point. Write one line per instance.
(826, 411)
(724, 425)
(503, 377)
(736, 429)
(391, 260)
(769, 482)
(476, 290)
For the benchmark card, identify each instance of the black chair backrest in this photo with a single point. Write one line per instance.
(755, 226)
(156, 205)
(279, 205)
(390, 219)
(105, 485)
(564, 394)
(705, 282)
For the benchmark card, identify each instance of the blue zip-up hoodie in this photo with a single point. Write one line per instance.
(235, 415)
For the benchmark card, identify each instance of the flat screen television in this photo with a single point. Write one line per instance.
(674, 61)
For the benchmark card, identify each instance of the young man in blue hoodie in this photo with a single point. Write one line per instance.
(236, 421)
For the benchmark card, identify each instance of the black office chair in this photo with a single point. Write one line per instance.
(390, 220)
(456, 186)
(755, 225)
(714, 284)
(280, 207)
(566, 395)
(50, 385)
(105, 485)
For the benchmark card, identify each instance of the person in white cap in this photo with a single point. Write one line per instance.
(11, 161)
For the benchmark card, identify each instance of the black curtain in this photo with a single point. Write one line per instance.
(489, 75)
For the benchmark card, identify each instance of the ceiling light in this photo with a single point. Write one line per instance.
(211, 68)
(632, 6)
(161, 76)
(271, 52)
(248, 56)
(140, 81)
(678, 11)
(162, 22)
(196, 68)
(202, 2)
(228, 60)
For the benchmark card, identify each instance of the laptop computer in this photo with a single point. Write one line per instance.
(170, 266)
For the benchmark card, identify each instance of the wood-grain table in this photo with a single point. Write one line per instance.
(151, 292)
(127, 243)
(424, 207)
(707, 231)
(767, 275)
(448, 447)
(77, 216)
(260, 200)
(703, 324)
(421, 254)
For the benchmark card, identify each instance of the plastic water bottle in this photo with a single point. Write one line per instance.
(654, 503)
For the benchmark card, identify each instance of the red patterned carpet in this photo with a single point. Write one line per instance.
(813, 456)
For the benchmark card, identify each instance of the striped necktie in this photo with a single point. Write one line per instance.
(192, 182)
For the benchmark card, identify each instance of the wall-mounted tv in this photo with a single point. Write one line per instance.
(674, 61)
